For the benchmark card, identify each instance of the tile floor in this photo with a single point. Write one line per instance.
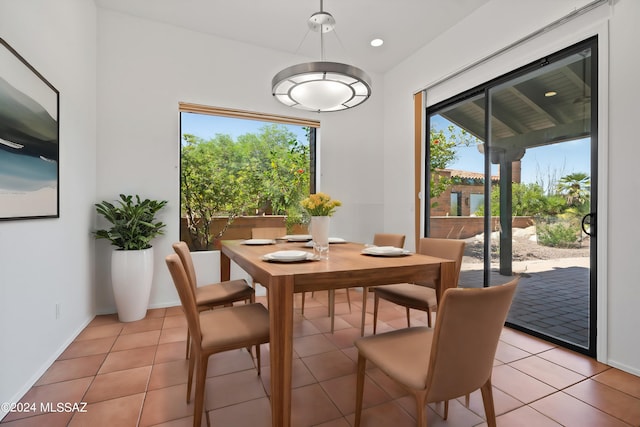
(134, 374)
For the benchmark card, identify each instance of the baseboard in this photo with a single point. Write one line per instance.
(623, 367)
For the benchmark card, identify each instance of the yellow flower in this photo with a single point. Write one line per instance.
(320, 204)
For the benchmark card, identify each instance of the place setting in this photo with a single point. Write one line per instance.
(297, 237)
(289, 256)
(385, 251)
(259, 242)
(332, 240)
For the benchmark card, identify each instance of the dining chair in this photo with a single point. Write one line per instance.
(451, 360)
(215, 331)
(420, 296)
(379, 239)
(214, 294)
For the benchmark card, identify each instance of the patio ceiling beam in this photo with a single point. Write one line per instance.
(539, 138)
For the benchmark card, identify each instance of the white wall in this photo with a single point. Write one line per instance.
(492, 27)
(624, 181)
(145, 68)
(49, 261)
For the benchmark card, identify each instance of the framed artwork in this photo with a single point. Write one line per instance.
(29, 140)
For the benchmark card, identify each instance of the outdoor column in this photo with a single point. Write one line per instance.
(506, 208)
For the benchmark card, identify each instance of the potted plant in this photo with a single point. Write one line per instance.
(133, 226)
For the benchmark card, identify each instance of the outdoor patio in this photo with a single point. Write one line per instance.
(552, 296)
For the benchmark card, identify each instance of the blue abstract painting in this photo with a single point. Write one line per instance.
(29, 140)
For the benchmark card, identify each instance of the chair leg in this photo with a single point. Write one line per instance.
(258, 357)
(362, 364)
(190, 377)
(376, 301)
(487, 400)
(446, 410)
(348, 299)
(421, 414)
(429, 311)
(201, 376)
(408, 317)
(303, 295)
(188, 344)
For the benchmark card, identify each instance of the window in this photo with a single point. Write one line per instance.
(476, 201)
(236, 163)
(456, 206)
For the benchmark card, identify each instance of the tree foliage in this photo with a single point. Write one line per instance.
(558, 214)
(256, 174)
(531, 200)
(576, 188)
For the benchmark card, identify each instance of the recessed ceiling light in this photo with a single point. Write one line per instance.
(550, 93)
(377, 42)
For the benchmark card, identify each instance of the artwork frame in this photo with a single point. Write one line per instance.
(29, 140)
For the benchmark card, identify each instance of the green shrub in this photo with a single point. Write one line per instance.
(558, 235)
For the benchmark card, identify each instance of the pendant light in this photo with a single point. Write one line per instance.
(321, 86)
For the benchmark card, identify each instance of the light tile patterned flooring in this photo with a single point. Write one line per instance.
(135, 374)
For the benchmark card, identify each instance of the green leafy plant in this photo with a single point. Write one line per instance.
(134, 224)
(560, 235)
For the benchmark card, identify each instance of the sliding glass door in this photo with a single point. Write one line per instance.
(519, 187)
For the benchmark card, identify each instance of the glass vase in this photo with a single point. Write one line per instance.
(320, 235)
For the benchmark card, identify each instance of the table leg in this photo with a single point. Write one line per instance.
(281, 349)
(365, 293)
(446, 280)
(332, 306)
(225, 267)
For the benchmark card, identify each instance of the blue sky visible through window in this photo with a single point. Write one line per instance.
(207, 126)
(538, 163)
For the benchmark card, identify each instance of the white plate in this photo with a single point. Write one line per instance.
(258, 242)
(385, 251)
(288, 256)
(298, 237)
(309, 244)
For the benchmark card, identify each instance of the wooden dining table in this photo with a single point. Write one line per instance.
(346, 267)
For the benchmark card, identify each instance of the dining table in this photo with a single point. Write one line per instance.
(346, 267)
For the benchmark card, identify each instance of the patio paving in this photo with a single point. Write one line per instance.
(552, 297)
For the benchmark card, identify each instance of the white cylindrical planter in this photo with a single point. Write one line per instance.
(131, 277)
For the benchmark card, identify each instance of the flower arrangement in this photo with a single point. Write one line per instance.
(320, 204)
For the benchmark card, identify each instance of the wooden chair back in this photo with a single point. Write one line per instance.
(389, 239)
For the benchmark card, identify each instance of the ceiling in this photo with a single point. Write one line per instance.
(404, 25)
(545, 106)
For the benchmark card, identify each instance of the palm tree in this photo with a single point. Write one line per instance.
(576, 188)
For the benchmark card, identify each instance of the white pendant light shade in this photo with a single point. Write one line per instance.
(321, 86)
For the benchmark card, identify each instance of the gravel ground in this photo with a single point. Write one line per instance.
(524, 249)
